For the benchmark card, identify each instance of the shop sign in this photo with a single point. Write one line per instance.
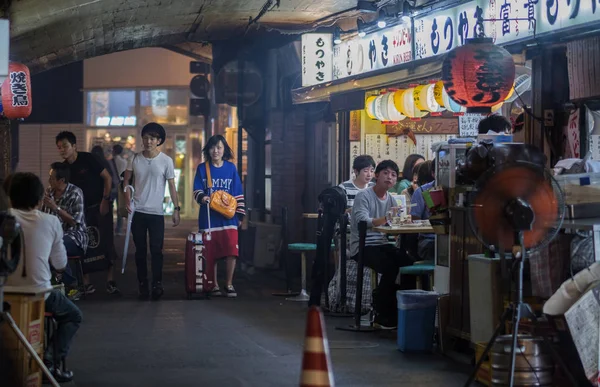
(440, 32)
(379, 50)
(316, 59)
(355, 125)
(116, 121)
(432, 125)
(468, 124)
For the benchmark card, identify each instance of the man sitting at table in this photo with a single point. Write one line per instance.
(371, 205)
(43, 239)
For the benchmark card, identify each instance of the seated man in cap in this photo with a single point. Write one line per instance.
(151, 169)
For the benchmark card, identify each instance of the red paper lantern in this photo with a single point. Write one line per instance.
(478, 75)
(16, 92)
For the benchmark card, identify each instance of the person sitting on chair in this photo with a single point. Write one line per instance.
(371, 205)
(419, 210)
(65, 200)
(43, 241)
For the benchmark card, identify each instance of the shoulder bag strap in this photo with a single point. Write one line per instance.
(208, 177)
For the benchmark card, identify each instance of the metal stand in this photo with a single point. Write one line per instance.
(357, 327)
(342, 278)
(518, 310)
(5, 316)
(284, 257)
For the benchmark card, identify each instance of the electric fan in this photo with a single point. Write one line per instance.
(517, 207)
(514, 198)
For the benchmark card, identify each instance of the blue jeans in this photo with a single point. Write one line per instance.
(68, 316)
(72, 251)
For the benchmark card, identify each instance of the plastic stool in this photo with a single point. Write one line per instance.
(79, 272)
(302, 248)
(419, 270)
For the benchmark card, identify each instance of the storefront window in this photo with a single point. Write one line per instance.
(111, 108)
(164, 106)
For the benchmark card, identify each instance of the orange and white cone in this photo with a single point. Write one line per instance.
(316, 361)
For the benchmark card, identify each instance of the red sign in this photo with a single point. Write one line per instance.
(16, 92)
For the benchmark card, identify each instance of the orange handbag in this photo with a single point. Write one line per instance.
(220, 201)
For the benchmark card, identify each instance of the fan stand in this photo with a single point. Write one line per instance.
(518, 310)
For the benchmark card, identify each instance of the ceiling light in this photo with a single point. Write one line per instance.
(360, 26)
(405, 16)
(381, 23)
(336, 36)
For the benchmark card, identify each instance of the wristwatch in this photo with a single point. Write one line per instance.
(177, 208)
(58, 209)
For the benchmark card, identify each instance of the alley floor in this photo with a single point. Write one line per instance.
(254, 340)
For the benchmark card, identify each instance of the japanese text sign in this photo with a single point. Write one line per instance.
(440, 32)
(316, 58)
(376, 51)
(16, 92)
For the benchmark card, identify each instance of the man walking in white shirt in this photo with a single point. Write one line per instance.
(43, 237)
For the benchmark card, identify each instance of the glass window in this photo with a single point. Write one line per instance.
(111, 108)
(164, 106)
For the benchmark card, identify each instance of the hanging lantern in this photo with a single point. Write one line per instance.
(424, 98)
(381, 109)
(16, 92)
(393, 113)
(405, 103)
(370, 107)
(438, 94)
(478, 75)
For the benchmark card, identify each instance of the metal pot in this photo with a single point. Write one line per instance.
(533, 364)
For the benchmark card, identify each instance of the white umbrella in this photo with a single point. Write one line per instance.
(128, 233)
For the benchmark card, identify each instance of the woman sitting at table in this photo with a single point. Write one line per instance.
(404, 182)
(419, 210)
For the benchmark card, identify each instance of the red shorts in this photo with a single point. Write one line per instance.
(223, 243)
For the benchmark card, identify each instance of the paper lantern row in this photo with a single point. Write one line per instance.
(414, 102)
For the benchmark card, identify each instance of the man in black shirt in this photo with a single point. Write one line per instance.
(88, 173)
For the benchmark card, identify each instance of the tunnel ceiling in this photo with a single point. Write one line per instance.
(51, 33)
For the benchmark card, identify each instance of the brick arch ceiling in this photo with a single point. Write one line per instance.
(51, 33)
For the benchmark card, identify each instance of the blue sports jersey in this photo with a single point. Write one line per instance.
(225, 179)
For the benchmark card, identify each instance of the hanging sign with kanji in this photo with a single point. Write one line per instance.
(16, 92)
(317, 59)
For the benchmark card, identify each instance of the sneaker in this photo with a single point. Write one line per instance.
(230, 291)
(111, 288)
(89, 289)
(385, 324)
(143, 290)
(157, 291)
(74, 295)
(216, 292)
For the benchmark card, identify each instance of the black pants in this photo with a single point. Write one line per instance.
(153, 226)
(385, 260)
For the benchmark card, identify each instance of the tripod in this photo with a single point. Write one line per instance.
(6, 316)
(521, 217)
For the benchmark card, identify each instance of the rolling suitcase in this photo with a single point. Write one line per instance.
(196, 279)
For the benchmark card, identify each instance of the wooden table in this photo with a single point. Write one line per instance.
(397, 230)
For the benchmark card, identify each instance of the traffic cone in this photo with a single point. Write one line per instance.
(315, 362)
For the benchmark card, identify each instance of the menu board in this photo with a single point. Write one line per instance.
(397, 148)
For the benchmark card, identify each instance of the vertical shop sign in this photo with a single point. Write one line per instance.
(573, 134)
(354, 153)
(316, 59)
(355, 125)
